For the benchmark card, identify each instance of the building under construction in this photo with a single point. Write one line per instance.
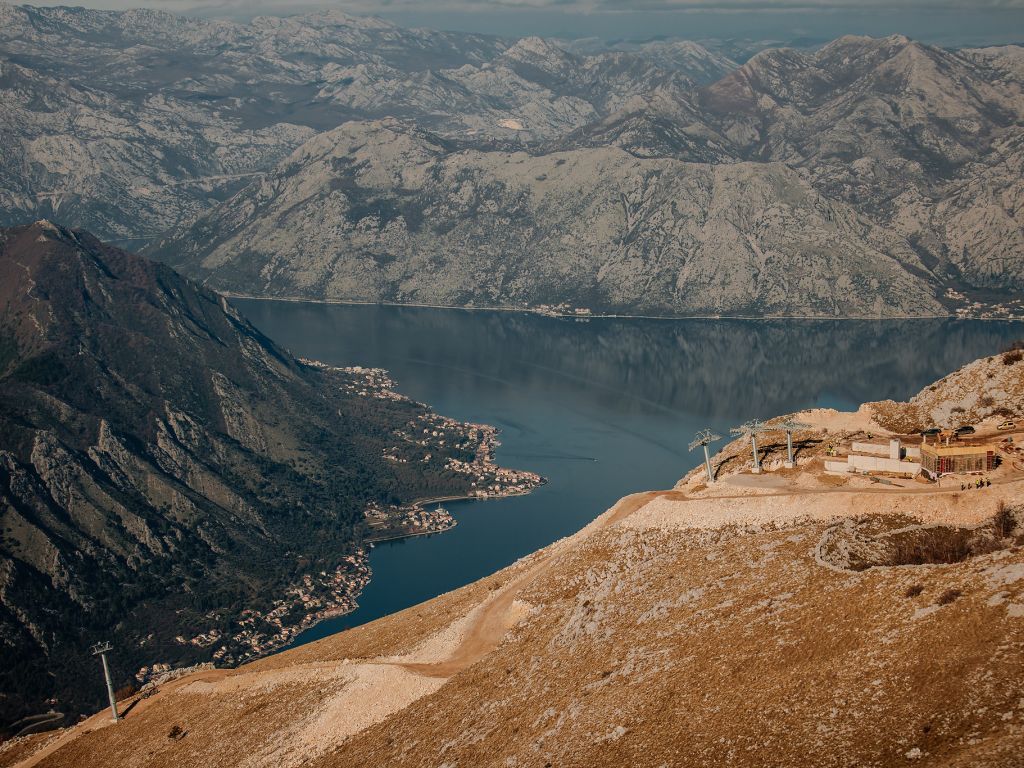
(946, 459)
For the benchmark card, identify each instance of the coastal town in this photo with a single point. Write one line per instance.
(1009, 309)
(328, 594)
(365, 382)
(387, 522)
(315, 597)
(561, 310)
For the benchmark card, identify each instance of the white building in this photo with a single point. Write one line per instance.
(875, 457)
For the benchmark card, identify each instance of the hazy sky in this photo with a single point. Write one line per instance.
(941, 21)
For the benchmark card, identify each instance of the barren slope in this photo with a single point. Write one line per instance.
(771, 622)
(990, 389)
(381, 211)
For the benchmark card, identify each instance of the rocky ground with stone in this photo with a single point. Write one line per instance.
(780, 619)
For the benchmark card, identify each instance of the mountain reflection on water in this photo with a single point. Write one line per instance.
(601, 408)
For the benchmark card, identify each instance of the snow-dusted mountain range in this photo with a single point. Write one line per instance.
(337, 157)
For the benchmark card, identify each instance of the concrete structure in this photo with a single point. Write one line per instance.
(943, 459)
(874, 457)
(892, 450)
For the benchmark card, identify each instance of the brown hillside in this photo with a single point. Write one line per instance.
(781, 620)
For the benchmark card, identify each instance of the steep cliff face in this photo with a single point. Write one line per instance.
(164, 466)
(599, 228)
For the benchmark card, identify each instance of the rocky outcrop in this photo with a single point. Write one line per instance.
(990, 388)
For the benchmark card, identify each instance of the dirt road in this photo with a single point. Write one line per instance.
(497, 615)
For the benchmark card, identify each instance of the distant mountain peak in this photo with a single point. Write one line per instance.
(538, 52)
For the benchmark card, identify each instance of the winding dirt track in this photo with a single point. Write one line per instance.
(497, 616)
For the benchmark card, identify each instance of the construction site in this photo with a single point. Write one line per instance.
(854, 447)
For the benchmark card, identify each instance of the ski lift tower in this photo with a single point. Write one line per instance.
(704, 437)
(101, 650)
(752, 429)
(790, 425)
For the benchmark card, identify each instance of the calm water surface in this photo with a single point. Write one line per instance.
(601, 408)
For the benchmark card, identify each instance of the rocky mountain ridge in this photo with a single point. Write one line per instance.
(862, 161)
(173, 481)
(129, 123)
(869, 178)
(598, 228)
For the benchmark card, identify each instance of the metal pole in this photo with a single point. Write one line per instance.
(110, 687)
(757, 463)
(707, 464)
(789, 446)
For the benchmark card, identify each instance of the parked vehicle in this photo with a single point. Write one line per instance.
(1006, 425)
(964, 430)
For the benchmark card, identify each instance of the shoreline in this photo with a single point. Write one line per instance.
(599, 316)
(443, 499)
(332, 614)
(496, 497)
(399, 537)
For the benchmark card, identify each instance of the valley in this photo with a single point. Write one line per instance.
(379, 394)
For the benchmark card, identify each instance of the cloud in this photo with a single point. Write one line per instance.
(251, 7)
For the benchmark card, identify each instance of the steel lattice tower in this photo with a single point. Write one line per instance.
(752, 429)
(704, 437)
